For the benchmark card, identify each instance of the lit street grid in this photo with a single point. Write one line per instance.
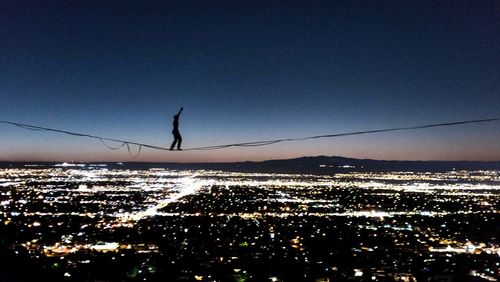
(91, 222)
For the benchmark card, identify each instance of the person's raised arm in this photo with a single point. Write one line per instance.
(180, 111)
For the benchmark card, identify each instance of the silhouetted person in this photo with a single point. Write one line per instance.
(176, 133)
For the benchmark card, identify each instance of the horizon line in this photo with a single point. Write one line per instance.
(245, 161)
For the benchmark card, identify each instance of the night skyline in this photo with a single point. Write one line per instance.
(250, 71)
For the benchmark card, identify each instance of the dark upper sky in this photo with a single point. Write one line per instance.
(250, 70)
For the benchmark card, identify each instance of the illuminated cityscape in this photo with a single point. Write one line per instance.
(96, 222)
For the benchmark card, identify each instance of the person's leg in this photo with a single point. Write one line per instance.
(179, 137)
(173, 143)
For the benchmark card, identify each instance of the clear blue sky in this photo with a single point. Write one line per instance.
(250, 70)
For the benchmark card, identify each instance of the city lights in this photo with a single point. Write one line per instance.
(216, 225)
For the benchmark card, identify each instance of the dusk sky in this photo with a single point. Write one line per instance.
(249, 71)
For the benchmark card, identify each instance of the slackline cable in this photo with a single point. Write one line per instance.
(127, 144)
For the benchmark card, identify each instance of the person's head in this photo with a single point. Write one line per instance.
(176, 116)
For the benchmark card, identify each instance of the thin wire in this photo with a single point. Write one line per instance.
(112, 148)
(245, 144)
(128, 143)
(269, 142)
(130, 152)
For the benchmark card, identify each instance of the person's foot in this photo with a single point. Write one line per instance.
(179, 149)
(171, 149)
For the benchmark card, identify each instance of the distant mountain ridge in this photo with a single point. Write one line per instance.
(323, 164)
(315, 165)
